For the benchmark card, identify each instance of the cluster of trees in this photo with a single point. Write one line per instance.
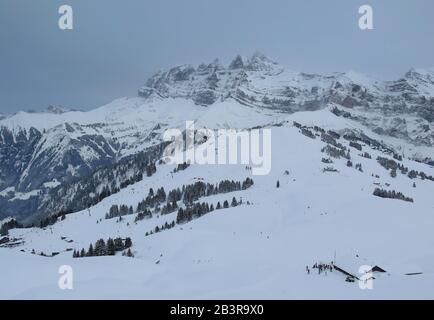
(105, 248)
(362, 138)
(192, 192)
(169, 207)
(152, 199)
(193, 211)
(328, 160)
(50, 220)
(413, 174)
(366, 155)
(188, 194)
(357, 167)
(329, 169)
(150, 169)
(107, 191)
(143, 214)
(397, 157)
(391, 195)
(335, 152)
(119, 211)
(197, 210)
(334, 134)
(297, 125)
(356, 145)
(318, 129)
(427, 161)
(11, 224)
(392, 165)
(247, 183)
(424, 176)
(330, 138)
(174, 195)
(181, 167)
(307, 133)
(157, 229)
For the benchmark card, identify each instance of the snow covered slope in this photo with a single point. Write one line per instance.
(322, 211)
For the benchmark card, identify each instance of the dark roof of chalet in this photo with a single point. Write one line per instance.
(377, 269)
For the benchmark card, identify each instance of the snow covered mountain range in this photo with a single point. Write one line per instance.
(351, 182)
(42, 150)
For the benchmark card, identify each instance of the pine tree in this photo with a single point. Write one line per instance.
(100, 248)
(278, 184)
(82, 253)
(226, 204)
(128, 242)
(110, 247)
(90, 252)
(119, 245)
(234, 202)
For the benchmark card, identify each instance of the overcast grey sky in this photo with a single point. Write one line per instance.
(116, 45)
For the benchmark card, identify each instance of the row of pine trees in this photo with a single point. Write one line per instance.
(188, 194)
(105, 248)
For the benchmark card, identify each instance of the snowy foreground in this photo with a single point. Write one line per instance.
(256, 251)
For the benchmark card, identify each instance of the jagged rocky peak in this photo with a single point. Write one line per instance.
(421, 74)
(257, 62)
(181, 73)
(208, 82)
(238, 63)
(415, 84)
(187, 72)
(211, 67)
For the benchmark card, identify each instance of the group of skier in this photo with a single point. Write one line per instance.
(322, 267)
